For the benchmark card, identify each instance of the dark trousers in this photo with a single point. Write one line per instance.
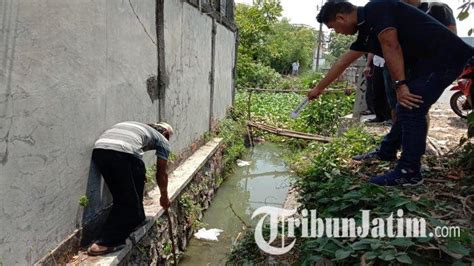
(410, 129)
(369, 95)
(124, 175)
(381, 107)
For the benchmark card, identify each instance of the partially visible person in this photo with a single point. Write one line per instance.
(381, 107)
(295, 68)
(369, 93)
(440, 11)
(443, 14)
(118, 156)
(420, 70)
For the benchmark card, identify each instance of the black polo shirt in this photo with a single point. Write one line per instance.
(440, 11)
(427, 45)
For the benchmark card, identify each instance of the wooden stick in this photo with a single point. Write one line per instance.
(288, 133)
(170, 226)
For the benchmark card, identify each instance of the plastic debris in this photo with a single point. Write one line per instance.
(300, 107)
(242, 163)
(210, 234)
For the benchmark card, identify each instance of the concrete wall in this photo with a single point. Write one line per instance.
(189, 71)
(225, 54)
(69, 70)
(188, 36)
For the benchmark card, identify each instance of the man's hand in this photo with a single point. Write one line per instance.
(367, 72)
(165, 201)
(406, 99)
(314, 93)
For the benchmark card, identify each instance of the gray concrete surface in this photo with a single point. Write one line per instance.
(188, 65)
(69, 70)
(225, 54)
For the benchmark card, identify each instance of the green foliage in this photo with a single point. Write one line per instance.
(233, 132)
(255, 25)
(252, 74)
(327, 160)
(306, 80)
(246, 251)
(167, 248)
(464, 12)
(84, 201)
(150, 175)
(172, 157)
(465, 158)
(319, 117)
(192, 210)
(338, 45)
(329, 185)
(290, 43)
(268, 46)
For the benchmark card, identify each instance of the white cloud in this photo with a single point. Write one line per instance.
(305, 11)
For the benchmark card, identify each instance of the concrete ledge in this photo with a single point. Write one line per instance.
(178, 180)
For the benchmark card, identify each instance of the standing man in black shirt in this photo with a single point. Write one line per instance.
(423, 57)
(440, 11)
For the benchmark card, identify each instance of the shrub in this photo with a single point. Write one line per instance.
(252, 74)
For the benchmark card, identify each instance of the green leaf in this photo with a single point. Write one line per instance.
(84, 201)
(342, 254)
(455, 247)
(375, 245)
(404, 258)
(411, 207)
(370, 255)
(469, 33)
(402, 242)
(360, 245)
(463, 15)
(387, 255)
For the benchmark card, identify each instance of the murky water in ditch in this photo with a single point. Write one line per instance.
(264, 182)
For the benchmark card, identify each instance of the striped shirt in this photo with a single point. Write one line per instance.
(134, 138)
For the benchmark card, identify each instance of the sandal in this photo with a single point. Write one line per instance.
(107, 250)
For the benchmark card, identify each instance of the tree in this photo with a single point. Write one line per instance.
(464, 13)
(269, 45)
(291, 43)
(338, 44)
(255, 25)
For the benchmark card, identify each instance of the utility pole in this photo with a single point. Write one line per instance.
(318, 49)
(320, 37)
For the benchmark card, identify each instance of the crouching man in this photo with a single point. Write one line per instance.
(118, 155)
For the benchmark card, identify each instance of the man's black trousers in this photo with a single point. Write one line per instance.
(124, 175)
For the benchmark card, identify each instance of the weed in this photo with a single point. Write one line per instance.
(319, 117)
(172, 158)
(141, 249)
(192, 210)
(84, 201)
(336, 188)
(167, 248)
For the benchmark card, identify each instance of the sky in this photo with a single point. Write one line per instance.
(305, 11)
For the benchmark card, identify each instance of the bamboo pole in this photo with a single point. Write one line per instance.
(288, 133)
